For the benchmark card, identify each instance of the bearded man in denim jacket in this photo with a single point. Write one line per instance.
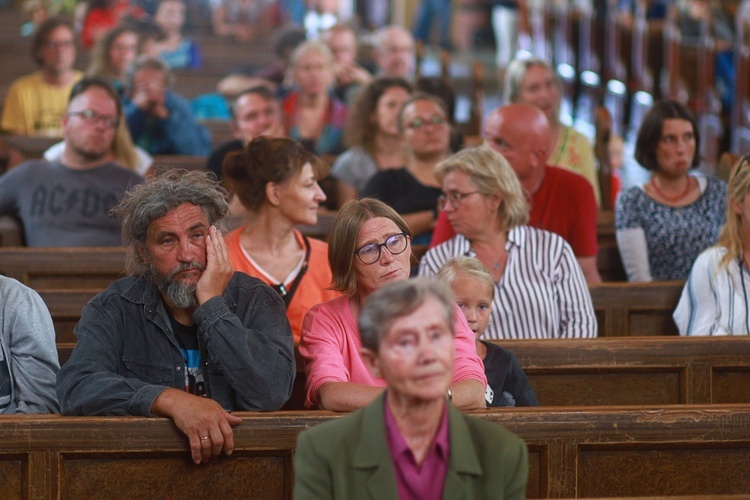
(184, 336)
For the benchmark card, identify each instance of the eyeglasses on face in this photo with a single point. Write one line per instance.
(91, 117)
(370, 253)
(419, 123)
(59, 44)
(453, 198)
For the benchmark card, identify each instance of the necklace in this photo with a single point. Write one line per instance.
(665, 196)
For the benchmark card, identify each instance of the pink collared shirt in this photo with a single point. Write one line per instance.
(418, 482)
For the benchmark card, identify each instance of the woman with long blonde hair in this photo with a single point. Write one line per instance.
(715, 298)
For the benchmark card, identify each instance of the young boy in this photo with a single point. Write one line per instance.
(474, 290)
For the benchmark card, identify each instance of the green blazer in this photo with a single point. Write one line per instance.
(348, 458)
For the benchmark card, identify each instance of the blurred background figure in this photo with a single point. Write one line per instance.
(372, 134)
(394, 52)
(413, 190)
(161, 121)
(244, 20)
(104, 15)
(429, 11)
(350, 75)
(255, 112)
(534, 81)
(174, 49)
(312, 115)
(112, 55)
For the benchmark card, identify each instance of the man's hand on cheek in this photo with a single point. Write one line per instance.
(218, 272)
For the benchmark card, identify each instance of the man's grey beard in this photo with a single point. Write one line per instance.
(180, 295)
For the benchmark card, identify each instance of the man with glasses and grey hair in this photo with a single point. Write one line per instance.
(67, 202)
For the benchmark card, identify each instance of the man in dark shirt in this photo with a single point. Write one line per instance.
(184, 336)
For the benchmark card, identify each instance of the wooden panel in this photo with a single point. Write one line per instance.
(65, 267)
(598, 451)
(594, 387)
(643, 309)
(175, 476)
(730, 384)
(639, 470)
(12, 468)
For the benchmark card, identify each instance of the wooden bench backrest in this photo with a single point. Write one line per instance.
(627, 309)
(636, 370)
(596, 452)
(74, 267)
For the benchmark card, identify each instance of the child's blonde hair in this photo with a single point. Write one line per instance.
(468, 267)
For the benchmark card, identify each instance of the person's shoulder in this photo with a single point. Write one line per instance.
(710, 257)
(23, 81)
(10, 287)
(566, 177)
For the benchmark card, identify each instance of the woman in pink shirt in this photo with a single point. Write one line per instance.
(369, 247)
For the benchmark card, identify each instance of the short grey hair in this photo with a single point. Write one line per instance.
(396, 300)
(159, 195)
(515, 74)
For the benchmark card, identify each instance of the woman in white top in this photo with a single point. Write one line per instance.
(715, 298)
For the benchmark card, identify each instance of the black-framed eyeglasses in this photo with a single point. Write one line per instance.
(453, 198)
(419, 123)
(370, 253)
(91, 117)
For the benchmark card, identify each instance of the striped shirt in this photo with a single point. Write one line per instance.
(542, 292)
(714, 300)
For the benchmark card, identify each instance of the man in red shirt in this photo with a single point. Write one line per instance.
(561, 201)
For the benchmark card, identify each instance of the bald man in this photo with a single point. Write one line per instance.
(561, 201)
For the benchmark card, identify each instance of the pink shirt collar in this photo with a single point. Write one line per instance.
(414, 481)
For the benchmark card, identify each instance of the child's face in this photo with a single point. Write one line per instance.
(475, 300)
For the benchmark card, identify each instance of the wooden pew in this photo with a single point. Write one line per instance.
(636, 370)
(187, 162)
(622, 371)
(573, 453)
(63, 268)
(628, 309)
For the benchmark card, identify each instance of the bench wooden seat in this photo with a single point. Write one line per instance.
(592, 452)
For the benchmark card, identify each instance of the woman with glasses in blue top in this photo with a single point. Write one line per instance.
(540, 291)
(413, 190)
(369, 247)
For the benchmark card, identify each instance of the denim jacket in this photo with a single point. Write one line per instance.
(127, 353)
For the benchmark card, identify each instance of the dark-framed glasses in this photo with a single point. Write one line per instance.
(453, 198)
(419, 123)
(370, 253)
(91, 117)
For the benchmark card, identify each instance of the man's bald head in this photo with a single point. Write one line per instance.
(520, 133)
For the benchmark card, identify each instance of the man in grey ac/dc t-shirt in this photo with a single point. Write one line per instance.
(67, 202)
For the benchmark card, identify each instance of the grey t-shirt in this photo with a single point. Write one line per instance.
(355, 167)
(60, 206)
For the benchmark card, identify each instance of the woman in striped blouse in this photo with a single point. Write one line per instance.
(715, 298)
(540, 291)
